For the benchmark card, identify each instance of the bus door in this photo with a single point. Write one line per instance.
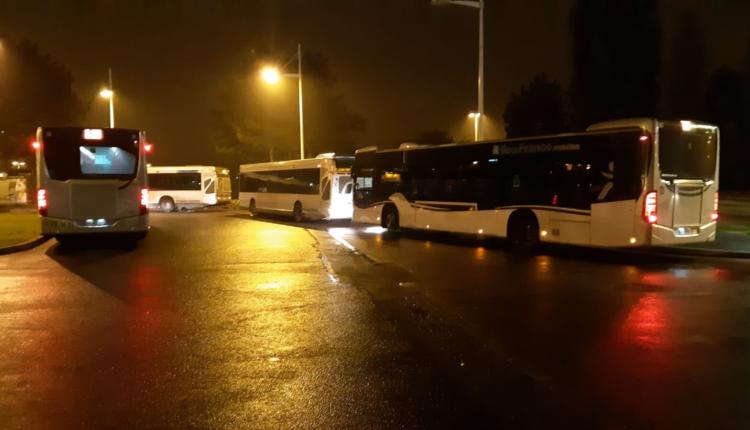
(209, 188)
(341, 199)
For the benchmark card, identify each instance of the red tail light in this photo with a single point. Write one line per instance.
(715, 212)
(41, 201)
(148, 148)
(649, 208)
(144, 201)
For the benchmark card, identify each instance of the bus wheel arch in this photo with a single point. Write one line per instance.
(389, 217)
(167, 204)
(523, 230)
(297, 212)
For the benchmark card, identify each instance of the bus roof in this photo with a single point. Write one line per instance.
(287, 164)
(496, 142)
(180, 169)
(606, 127)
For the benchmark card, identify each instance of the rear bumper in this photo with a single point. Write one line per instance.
(59, 226)
(661, 235)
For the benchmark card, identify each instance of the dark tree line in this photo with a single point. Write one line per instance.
(34, 90)
(617, 73)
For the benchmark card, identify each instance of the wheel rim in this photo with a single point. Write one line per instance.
(390, 221)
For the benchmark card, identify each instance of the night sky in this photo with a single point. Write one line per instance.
(403, 65)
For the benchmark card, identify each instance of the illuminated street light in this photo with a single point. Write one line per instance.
(18, 164)
(479, 5)
(272, 75)
(109, 94)
(476, 116)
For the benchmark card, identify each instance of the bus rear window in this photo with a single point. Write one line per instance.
(687, 154)
(70, 153)
(106, 160)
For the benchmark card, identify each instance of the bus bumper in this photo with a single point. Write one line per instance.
(59, 226)
(662, 235)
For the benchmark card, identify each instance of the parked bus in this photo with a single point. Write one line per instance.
(623, 183)
(185, 187)
(92, 182)
(317, 188)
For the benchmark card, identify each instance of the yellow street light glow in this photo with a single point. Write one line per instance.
(106, 93)
(474, 115)
(270, 75)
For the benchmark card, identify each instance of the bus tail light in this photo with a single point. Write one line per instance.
(144, 201)
(649, 208)
(715, 212)
(41, 201)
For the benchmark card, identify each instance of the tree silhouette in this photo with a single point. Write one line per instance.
(432, 137)
(687, 70)
(35, 90)
(726, 107)
(616, 59)
(538, 108)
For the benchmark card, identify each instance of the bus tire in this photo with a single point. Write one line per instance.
(297, 212)
(389, 219)
(253, 208)
(166, 204)
(523, 230)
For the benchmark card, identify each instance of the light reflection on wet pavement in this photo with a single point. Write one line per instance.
(218, 320)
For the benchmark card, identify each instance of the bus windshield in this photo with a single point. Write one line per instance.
(687, 154)
(73, 153)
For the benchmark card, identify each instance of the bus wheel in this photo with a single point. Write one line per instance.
(298, 217)
(389, 220)
(523, 231)
(166, 204)
(253, 209)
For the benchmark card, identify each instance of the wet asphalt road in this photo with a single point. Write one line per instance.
(221, 321)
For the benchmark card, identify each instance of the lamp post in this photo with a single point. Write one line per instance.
(476, 4)
(272, 76)
(108, 93)
(475, 116)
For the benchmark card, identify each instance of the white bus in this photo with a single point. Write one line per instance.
(185, 187)
(317, 188)
(622, 183)
(92, 182)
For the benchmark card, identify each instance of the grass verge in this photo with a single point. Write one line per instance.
(17, 227)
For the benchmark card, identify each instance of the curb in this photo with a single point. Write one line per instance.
(24, 246)
(702, 252)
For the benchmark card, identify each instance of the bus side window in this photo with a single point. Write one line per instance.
(363, 186)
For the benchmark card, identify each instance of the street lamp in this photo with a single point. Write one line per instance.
(272, 76)
(108, 93)
(476, 4)
(475, 116)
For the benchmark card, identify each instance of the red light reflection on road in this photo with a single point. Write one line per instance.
(636, 371)
(145, 329)
(646, 324)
